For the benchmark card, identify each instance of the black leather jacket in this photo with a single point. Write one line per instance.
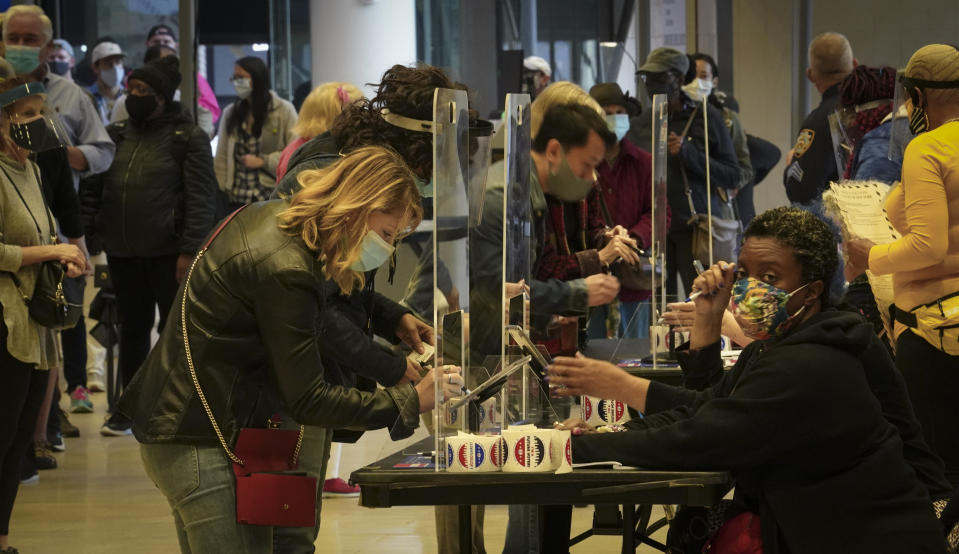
(254, 317)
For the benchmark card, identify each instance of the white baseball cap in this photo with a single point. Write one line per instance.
(536, 63)
(105, 50)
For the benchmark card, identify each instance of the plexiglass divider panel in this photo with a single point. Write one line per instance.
(449, 254)
(660, 132)
(516, 249)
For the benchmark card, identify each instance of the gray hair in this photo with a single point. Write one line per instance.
(28, 10)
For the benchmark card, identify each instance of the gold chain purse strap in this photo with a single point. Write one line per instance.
(189, 356)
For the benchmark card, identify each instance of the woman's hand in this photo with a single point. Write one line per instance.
(452, 380)
(414, 332)
(251, 161)
(414, 373)
(617, 231)
(68, 254)
(581, 375)
(73, 270)
(682, 316)
(619, 246)
(857, 255)
(716, 285)
(575, 426)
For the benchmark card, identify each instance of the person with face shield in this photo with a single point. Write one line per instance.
(254, 130)
(924, 262)
(536, 76)
(625, 181)
(107, 64)
(823, 466)
(29, 353)
(247, 334)
(150, 210)
(664, 73)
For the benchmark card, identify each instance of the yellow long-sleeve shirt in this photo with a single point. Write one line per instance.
(925, 210)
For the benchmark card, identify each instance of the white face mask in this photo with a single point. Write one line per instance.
(618, 124)
(697, 89)
(112, 76)
(374, 252)
(243, 88)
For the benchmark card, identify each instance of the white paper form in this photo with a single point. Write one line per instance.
(857, 207)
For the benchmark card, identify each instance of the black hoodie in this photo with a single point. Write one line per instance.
(808, 434)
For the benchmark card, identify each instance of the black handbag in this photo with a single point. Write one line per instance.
(53, 305)
(632, 276)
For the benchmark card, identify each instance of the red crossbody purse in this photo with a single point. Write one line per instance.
(265, 495)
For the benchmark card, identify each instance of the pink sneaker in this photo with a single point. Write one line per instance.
(333, 488)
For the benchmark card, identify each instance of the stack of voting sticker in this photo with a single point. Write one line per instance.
(598, 411)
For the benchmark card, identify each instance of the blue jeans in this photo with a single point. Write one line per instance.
(522, 530)
(198, 483)
(634, 319)
(314, 454)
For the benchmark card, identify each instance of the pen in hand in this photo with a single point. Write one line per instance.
(698, 266)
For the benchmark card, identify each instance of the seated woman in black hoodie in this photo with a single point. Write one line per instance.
(810, 437)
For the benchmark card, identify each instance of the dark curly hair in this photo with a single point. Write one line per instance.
(403, 90)
(810, 238)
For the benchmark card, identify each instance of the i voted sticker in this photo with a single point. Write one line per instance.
(529, 451)
(611, 411)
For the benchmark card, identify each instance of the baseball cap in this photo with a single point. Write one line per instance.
(536, 63)
(105, 50)
(160, 29)
(665, 59)
(60, 43)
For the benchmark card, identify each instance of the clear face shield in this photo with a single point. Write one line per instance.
(900, 135)
(912, 93)
(480, 153)
(848, 124)
(30, 127)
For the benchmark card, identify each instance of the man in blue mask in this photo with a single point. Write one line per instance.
(625, 183)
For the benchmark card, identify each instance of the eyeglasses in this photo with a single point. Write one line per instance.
(236, 78)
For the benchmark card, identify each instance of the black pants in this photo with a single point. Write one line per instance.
(932, 378)
(142, 285)
(75, 346)
(679, 258)
(21, 393)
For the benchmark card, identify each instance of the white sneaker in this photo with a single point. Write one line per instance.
(95, 380)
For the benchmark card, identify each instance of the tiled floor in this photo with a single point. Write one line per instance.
(100, 501)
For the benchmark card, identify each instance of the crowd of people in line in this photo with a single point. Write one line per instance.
(839, 432)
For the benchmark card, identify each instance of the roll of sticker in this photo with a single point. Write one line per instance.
(561, 453)
(467, 453)
(527, 451)
(598, 411)
(493, 445)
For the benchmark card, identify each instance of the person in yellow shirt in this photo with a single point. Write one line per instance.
(924, 263)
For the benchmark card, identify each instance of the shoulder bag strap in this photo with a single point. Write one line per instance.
(682, 170)
(604, 207)
(189, 355)
(13, 275)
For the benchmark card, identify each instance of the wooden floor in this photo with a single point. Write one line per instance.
(100, 501)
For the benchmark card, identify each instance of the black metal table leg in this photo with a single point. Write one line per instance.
(629, 529)
(466, 529)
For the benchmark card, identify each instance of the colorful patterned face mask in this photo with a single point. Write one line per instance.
(760, 308)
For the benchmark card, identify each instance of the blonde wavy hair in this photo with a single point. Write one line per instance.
(331, 209)
(556, 94)
(322, 106)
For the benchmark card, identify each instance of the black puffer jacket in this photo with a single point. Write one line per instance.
(256, 329)
(158, 197)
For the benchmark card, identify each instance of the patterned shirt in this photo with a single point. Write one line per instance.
(246, 181)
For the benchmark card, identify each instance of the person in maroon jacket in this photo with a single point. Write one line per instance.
(626, 185)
